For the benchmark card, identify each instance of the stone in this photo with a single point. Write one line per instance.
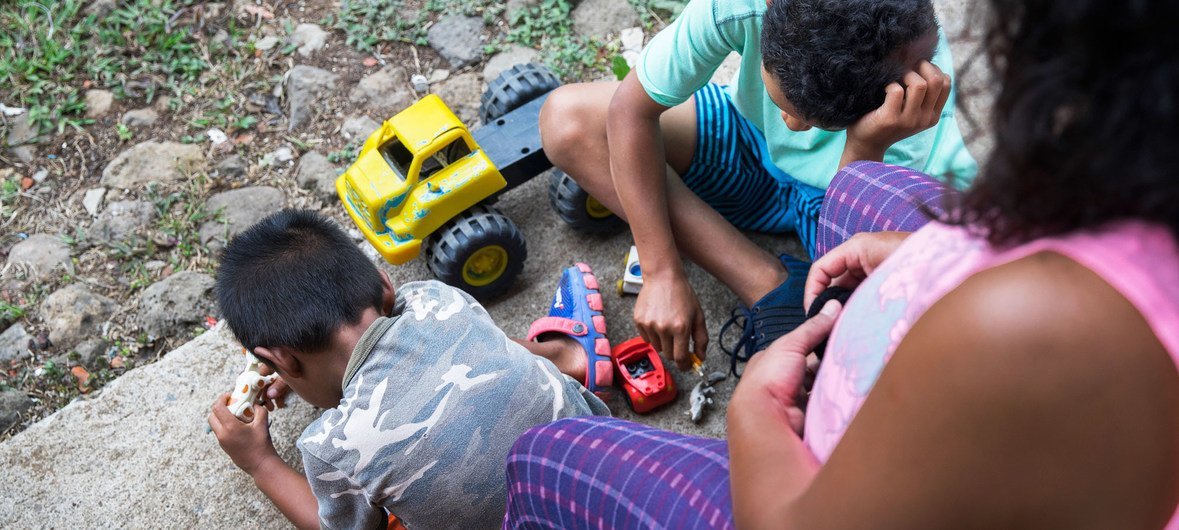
(509, 57)
(74, 313)
(384, 90)
(632, 45)
(92, 200)
(304, 86)
(98, 102)
(90, 350)
(358, 127)
(234, 166)
(317, 174)
(151, 161)
(41, 256)
(438, 75)
(13, 405)
(421, 85)
(22, 137)
(171, 306)
(239, 209)
(462, 93)
(309, 38)
(40, 175)
(266, 43)
(457, 39)
(599, 18)
(139, 117)
(283, 156)
(14, 343)
(121, 221)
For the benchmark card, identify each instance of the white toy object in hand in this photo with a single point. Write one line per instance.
(247, 387)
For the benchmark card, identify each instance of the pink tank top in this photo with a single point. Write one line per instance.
(1139, 260)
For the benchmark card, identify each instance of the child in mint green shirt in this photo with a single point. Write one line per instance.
(822, 83)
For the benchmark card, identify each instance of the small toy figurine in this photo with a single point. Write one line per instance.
(632, 276)
(702, 395)
(645, 383)
(245, 391)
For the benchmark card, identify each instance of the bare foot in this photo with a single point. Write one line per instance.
(563, 351)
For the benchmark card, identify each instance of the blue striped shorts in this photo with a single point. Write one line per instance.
(729, 173)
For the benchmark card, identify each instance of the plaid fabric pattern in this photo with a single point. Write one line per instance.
(729, 173)
(604, 473)
(875, 197)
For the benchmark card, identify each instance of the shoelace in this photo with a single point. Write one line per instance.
(756, 324)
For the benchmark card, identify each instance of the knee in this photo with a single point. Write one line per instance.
(565, 125)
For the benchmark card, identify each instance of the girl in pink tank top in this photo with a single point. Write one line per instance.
(1014, 364)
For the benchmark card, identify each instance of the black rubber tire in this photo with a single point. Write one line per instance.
(569, 201)
(449, 247)
(515, 87)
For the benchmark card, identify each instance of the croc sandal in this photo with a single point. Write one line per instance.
(577, 312)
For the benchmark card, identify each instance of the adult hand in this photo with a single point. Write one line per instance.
(907, 110)
(848, 264)
(775, 376)
(247, 444)
(668, 315)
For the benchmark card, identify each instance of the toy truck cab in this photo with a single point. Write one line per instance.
(419, 170)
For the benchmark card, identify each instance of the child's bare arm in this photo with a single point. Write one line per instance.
(250, 448)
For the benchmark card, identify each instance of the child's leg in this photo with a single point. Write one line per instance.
(875, 197)
(594, 472)
(573, 130)
(562, 351)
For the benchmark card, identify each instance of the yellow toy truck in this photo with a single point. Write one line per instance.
(424, 181)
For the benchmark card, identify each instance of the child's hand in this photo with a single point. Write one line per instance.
(775, 376)
(274, 396)
(848, 264)
(907, 110)
(247, 444)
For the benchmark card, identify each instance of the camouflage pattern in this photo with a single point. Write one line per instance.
(434, 397)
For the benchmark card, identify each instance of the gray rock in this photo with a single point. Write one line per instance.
(266, 43)
(121, 221)
(310, 38)
(140, 117)
(13, 404)
(317, 174)
(170, 306)
(462, 93)
(358, 127)
(305, 85)
(14, 343)
(509, 57)
(283, 156)
(598, 18)
(90, 350)
(21, 138)
(384, 90)
(457, 39)
(92, 200)
(152, 161)
(239, 209)
(98, 102)
(234, 166)
(41, 255)
(74, 314)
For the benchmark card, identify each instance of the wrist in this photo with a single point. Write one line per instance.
(856, 150)
(264, 465)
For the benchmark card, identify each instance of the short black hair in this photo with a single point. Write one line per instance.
(292, 280)
(833, 58)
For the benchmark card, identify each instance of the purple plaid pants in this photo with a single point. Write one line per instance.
(605, 473)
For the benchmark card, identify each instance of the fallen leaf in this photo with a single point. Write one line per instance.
(117, 362)
(370, 62)
(259, 11)
(26, 183)
(210, 322)
(86, 84)
(82, 376)
(243, 138)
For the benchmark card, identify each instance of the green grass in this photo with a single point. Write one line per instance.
(49, 50)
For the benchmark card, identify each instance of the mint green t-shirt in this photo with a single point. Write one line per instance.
(682, 58)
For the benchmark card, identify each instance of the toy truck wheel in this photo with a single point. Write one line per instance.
(579, 209)
(515, 87)
(481, 251)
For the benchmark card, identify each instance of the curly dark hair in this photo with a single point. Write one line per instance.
(833, 58)
(1086, 124)
(292, 280)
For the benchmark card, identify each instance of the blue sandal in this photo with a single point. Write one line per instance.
(577, 312)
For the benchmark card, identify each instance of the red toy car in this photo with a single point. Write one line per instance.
(645, 383)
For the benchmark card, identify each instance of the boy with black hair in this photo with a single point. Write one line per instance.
(423, 394)
(822, 83)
